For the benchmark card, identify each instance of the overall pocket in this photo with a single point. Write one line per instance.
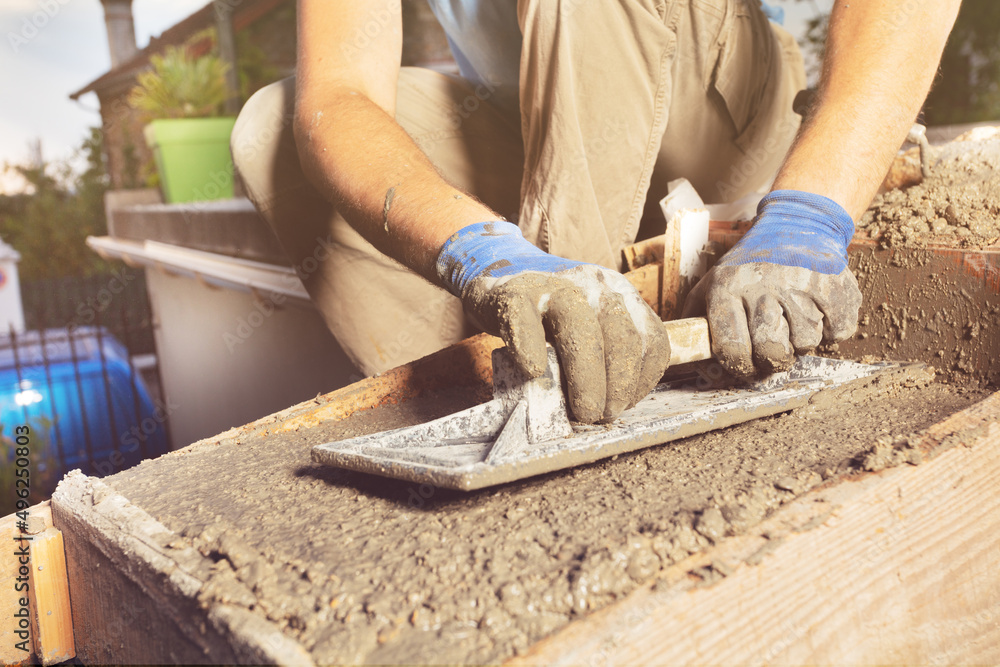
(742, 72)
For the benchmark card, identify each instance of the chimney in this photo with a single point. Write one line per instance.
(121, 30)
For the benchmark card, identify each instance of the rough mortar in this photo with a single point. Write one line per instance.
(958, 205)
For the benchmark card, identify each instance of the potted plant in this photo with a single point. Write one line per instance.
(188, 135)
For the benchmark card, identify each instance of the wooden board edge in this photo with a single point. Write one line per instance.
(670, 288)
(647, 281)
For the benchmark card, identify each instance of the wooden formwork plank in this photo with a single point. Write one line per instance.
(647, 281)
(895, 567)
(465, 364)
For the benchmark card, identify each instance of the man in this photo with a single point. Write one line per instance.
(570, 118)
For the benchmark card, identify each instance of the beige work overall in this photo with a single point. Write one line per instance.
(617, 99)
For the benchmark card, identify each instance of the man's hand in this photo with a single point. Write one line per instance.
(612, 347)
(784, 287)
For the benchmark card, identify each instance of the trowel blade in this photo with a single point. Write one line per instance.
(437, 453)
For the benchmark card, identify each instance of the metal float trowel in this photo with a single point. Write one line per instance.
(525, 431)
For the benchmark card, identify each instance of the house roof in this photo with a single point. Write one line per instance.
(244, 13)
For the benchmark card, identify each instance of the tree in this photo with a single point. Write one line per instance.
(967, 87)
(49, 225)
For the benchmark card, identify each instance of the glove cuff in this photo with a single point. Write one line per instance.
(796, 228)
(477, 249)
(820, 214)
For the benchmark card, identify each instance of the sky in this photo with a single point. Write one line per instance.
(51, 48)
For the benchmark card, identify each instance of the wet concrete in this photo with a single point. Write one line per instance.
(364, 569)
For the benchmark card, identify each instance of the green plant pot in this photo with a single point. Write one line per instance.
(192, 157)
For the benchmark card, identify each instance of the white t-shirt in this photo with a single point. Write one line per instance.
(486, 41)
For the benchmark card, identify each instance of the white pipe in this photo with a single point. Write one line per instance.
(206, 267)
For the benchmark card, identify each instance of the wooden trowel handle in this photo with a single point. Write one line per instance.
(689, 340)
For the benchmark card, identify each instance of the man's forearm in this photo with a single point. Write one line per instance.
(881, 57)
(381, 182)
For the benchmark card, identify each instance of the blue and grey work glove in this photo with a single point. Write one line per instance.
(612, 347)
(783, 288)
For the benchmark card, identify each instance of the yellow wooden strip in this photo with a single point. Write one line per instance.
(647, 281)
(39, 519)
(50, 598)
(670, 290)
